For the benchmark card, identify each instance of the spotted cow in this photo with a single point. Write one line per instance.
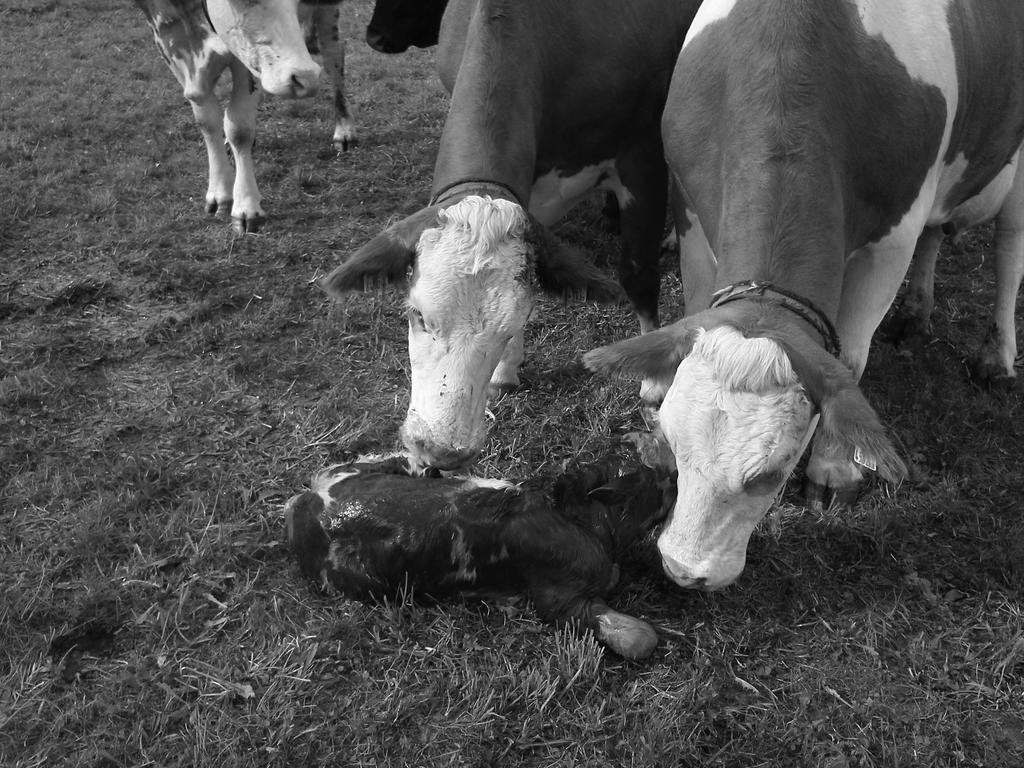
(372, 527)
(262, 43)
(814, 144)
(550, 101)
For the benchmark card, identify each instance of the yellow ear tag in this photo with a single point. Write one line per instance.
(865, 461)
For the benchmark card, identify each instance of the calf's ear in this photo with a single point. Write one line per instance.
(848, 424)
(565, 271)
(384, 259)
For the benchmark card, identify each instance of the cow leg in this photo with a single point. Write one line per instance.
(642, 199)
(560, 598)
(210, 118)
(642, 196)
(240, 128)
(912, 321)
(994, 360)
(326, 22)
(697, 268)
(197, 68)
(872, 278)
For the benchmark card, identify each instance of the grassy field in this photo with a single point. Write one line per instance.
(165, 386)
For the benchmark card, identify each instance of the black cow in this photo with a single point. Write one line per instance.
(372, 527)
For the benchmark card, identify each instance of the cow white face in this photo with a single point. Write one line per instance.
(737, 421)
(469, 295)
(266, 37)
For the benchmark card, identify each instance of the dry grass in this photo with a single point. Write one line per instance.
(164, 386)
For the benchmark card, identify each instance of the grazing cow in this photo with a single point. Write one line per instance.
(398, 24)
(255, 39)
(550, 101)
(371, 528)
(817, 141)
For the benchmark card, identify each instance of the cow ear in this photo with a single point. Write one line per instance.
(849, 425)
(656, 354)
(384, 259)
(564, 270)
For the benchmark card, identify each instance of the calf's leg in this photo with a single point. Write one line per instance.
(569, 593)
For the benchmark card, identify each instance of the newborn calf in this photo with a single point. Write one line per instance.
(370, 527)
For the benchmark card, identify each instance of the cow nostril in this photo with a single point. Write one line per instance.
(303, 85)
(679, 575)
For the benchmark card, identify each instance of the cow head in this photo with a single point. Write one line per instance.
(265, 35)
(748, 391)
(475, 265)
(398, 24)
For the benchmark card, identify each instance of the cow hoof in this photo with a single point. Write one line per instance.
(906, 329)
(216, 206)
(989, 372)
(247, 225)
(630, 638)
(820, 497)
(345, 143)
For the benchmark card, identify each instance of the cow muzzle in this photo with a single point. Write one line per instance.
(428, 451)
(689, 578)
(292, 82)
(379, 40)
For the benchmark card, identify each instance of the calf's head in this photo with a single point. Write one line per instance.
(748, 391)
(265, 35)
(474, 267)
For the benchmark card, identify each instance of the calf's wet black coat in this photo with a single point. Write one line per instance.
(370, 528)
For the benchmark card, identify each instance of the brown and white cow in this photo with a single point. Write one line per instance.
(550, 101)
(264, 45)
(817, 141)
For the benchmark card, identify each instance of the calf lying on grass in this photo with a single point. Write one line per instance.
(372, 527)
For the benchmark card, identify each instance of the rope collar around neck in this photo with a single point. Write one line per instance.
(795, 303)
(481, 187)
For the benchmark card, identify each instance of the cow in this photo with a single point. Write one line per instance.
(374, 527)
(257, 40)
(398, 24)
(549, 101)
(814, 145)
